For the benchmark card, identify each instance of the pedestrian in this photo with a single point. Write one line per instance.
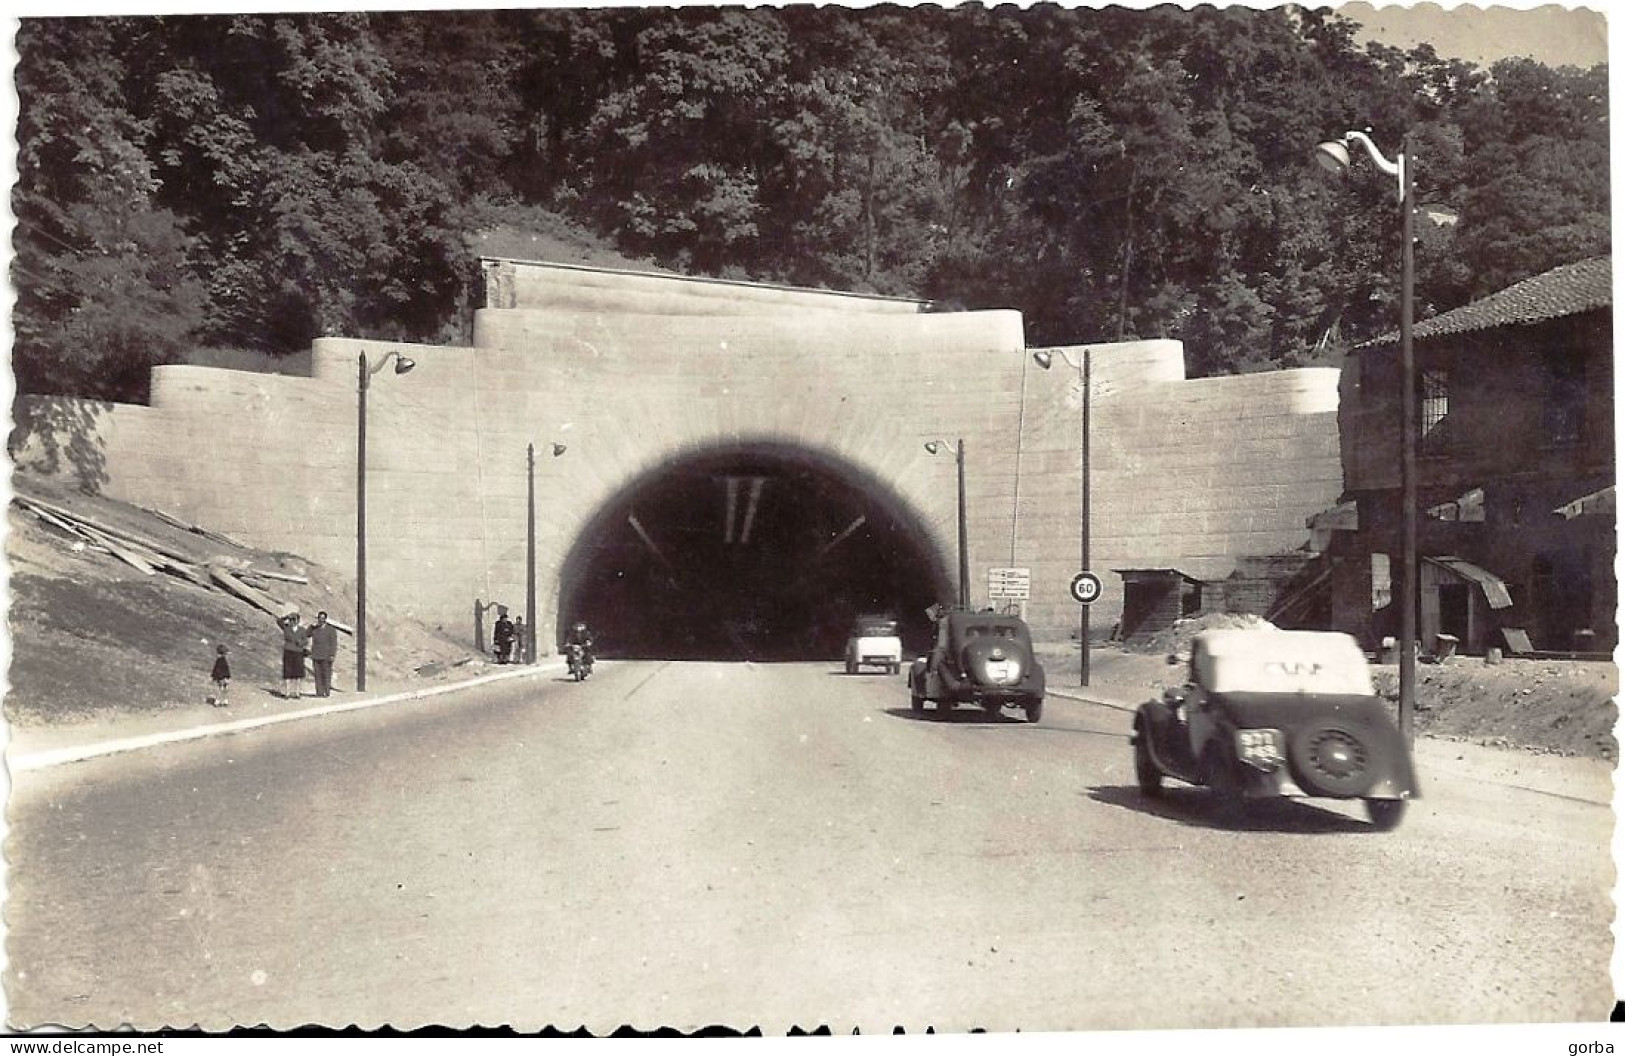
(502, 634)
(221, 675)
(519, 653)
(295, 644)
(324, 649)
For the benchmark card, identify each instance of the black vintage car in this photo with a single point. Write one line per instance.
(981, 658)
(1276, 713)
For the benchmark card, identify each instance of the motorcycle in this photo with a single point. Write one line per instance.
(579, 659)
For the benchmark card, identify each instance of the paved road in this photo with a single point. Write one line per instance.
(772, 845)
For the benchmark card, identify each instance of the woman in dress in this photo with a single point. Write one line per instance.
(295, 642)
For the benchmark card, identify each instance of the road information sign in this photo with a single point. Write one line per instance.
(1085, 588)
(1009, 584)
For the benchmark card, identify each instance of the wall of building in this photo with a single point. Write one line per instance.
(1186, 474)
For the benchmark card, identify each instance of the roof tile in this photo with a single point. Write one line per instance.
(1566, 290)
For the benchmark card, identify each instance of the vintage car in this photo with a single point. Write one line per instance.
(874, 641)
(1268, 713)
(981, 658)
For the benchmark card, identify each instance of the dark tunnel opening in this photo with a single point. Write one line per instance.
(749, 553)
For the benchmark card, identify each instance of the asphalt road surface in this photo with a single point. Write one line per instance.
(770, 845)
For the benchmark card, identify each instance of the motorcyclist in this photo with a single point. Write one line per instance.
(580, 636)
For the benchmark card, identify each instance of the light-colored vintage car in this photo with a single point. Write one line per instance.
(874, 642)
(1268, 712)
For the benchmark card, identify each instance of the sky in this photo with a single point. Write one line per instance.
(1552, 34)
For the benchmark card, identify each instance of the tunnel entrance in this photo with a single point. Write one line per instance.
(760, 552)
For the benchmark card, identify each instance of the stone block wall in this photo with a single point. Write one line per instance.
(1185, 474)
(631, 373)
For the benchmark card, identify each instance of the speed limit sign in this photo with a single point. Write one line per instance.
(1085, 588)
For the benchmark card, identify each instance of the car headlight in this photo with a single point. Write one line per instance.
(1264, 749)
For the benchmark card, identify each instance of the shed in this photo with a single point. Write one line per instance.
(1153, 598)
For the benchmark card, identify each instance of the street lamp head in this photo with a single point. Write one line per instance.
(559, 449)
(402, 364)
(933, 446)
(1043, 359)
(1333, 156)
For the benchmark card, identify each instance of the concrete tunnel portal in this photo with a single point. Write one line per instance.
(752, 552)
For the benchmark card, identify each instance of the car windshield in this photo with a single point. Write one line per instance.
(1002, 630)
(876, 629)
(1283, 662)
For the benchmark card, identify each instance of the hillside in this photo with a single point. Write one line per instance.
(93, 635)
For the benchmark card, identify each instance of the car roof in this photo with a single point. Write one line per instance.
(1271, 641)
(961, 618)
(1267, 660)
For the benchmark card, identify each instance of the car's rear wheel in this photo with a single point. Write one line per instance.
(1146, 774)
(897, 667)
(1229, 803)
(851, 668)
(1385, 814)
(1034, 710)
(1332, 758)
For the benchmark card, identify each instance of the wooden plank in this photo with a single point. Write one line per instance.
(285, 577)
(257, 598)
(55, 521)
(116, 533)
(129, 555)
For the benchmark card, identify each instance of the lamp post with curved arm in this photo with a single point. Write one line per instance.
(1046, 360)
(934, 446)
(1334, 156)
(402, 365)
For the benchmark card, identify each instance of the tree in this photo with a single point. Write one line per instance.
(104, 290)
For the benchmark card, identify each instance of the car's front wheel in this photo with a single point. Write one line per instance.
(1146, 774)
(1230, 803)
(1385, 814)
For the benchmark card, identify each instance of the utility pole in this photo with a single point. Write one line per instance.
(529, 644)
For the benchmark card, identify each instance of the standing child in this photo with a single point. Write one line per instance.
(221, 675)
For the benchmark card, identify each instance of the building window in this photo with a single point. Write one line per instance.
(1435, 413)
(1563, 412)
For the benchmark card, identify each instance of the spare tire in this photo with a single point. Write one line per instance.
(1331, 757)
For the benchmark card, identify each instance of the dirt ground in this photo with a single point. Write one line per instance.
(92, 636)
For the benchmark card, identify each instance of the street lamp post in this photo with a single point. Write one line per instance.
(1334, 156)
(402, 365)
(1044, 359)
(933, 447)
(528, 646)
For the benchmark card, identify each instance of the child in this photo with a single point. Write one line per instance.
(221, 675)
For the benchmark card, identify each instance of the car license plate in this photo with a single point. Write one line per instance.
(1002, 671)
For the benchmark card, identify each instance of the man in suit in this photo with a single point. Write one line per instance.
(324, 649)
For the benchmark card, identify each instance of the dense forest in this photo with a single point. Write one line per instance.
(256, 181)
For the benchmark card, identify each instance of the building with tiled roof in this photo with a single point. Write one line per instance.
(1515, 470)
(1568, 290)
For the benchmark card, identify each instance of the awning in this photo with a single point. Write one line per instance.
(1495, 588)
(1469, 507)
(1598, 503)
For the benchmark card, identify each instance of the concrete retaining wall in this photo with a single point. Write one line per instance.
(1188, 474)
